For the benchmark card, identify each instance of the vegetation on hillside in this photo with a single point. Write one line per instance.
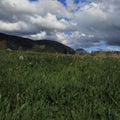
(35, 86)
(20, 43)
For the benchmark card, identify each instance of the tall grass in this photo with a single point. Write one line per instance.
(58, 87)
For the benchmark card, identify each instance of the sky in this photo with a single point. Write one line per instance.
(88, 24)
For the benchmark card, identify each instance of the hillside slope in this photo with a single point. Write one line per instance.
(16, 43)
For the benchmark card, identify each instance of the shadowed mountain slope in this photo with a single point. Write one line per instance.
(20, 43)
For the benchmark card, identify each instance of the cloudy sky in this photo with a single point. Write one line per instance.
(88, 24)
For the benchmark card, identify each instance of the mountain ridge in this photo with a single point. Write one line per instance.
(16, 42)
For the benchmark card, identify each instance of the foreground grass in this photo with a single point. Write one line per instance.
(37, 86)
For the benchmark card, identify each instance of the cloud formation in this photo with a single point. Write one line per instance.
(77, 24)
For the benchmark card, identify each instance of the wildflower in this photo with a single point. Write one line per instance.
(21, 58)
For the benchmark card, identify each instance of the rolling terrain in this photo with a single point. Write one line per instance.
(19, 43)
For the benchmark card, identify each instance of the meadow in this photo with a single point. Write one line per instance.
(41, 86)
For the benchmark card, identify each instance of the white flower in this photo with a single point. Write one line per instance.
(21, 58)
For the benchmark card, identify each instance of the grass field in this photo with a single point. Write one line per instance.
(38, 86)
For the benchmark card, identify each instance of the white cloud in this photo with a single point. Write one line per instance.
(8, 26)
(49, 21)
(38, 36)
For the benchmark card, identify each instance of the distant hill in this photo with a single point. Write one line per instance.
(20, 43)
(106, 53)
(81, 51)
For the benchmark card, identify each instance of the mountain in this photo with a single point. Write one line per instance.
(20, 43)
(80, 51)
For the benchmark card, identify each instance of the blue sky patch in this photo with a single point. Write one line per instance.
(33, 0)
(68, 33)
(63, 2)
(76, 1)
(60, 18)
